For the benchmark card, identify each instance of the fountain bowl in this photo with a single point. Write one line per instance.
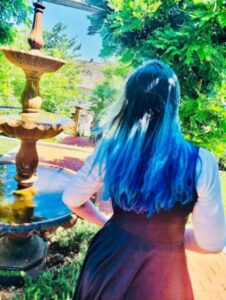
(34, 126)
(32, 61)
(24, 215)
(44, 212)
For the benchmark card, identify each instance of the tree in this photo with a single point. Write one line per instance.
(110, 88)
(12, 79)
(58, 44)
(13, 12)
(186, 34)
(62, 86)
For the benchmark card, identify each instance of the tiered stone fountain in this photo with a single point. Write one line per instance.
(31, 204)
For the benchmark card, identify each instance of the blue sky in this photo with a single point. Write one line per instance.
(77, 25)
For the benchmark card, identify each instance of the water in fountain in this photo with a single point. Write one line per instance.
(42, 202)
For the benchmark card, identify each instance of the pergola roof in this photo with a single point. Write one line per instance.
(78, 4)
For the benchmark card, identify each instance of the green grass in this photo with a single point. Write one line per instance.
(53, 140)
(6, 145)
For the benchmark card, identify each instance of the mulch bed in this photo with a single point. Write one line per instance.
(58, 255)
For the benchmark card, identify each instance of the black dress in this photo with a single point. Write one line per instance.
(138, 258)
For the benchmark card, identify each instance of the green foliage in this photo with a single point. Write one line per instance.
(189, 36)
(12, 79)
(6, 86)
(7, 145)
(58, 44)
(12, 82)
(13, 12)
(50, 286)
(58, 88)
(204, 122)
(62, 86)
(111, 87)
(79, 234)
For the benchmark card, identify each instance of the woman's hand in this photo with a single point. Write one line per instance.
(89, 212)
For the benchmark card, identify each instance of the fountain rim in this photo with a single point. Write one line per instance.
(7, 228)
(32, 53)
(31, 125)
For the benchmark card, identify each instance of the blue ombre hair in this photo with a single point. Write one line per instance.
(149, 166)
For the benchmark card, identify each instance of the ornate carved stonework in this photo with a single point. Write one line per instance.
(26, 163)
(35, 38)
(31, 99)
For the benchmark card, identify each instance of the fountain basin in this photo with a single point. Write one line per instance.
(34, 126)
(44, 212)
(32, 61)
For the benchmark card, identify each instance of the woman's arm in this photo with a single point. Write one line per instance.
(191, 244)
(85, 183)
(208, 233)
(89, 212)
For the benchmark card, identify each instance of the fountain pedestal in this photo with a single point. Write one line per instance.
(31, 98)
(27, 254)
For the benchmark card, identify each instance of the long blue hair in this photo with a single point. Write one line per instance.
(148, 165)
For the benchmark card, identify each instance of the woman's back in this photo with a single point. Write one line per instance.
(155, 178)
(135, 257)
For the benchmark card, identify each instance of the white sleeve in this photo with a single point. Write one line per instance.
(208, 214)
(84, 184)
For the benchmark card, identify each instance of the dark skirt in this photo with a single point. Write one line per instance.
(134, 257)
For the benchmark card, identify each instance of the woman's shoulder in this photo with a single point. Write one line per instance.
(206, 159)
(207, 172)
(206, 154)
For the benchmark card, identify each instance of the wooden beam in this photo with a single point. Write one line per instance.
(76, 4)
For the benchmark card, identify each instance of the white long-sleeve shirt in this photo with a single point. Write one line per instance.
(208, 214)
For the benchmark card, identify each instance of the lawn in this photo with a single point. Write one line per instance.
(6, 145)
